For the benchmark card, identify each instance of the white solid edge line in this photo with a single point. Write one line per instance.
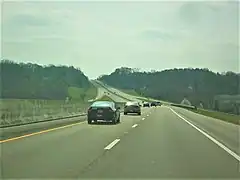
(237, 157)
(112, 144)
(135, 125)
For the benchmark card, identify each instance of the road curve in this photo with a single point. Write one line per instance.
(157, 144)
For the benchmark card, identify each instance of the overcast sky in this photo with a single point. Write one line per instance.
(99, 37)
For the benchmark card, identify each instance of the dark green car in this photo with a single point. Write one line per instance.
(103, 110)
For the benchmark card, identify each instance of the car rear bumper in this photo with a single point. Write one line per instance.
(105, 117)
(132, 111)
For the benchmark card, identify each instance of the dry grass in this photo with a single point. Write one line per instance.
(15, 111)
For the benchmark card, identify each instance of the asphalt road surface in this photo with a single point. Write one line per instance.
(102, 90)
(161, 143)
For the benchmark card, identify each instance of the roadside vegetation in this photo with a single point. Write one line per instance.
(105, 98)
(130, 91)
(198, 86)
(30, 92)
(231, 118)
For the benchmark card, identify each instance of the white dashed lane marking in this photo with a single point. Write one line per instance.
(135, 125)
(110, 146)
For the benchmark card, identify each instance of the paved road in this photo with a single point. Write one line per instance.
(101, 91)
(162, 145)
(122, 94)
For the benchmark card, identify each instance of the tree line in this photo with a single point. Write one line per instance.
(32, 81)
(199, 86)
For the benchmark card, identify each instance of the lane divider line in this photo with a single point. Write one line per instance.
(135, 125)
(233, 154)
(147, 114)
(143, 118)
(110, 146)
(39, 132)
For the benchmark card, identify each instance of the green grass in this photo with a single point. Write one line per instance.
(17, 111)
(130, 91)
(235, 119)
(105, 98)
(82, 94)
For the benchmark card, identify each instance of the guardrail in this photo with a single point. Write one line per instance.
(17, 112)
(28, 128)
(43, 120)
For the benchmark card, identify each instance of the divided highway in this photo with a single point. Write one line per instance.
(102, 90)
(163, 142)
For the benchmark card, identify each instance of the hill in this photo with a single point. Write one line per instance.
(32, 81)
(196, 85)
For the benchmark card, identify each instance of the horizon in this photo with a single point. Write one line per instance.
(101, 37)
(132, 68)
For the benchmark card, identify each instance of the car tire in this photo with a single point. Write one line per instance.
(89, 121)
(139, 114)
(125, 113)
(114, 121)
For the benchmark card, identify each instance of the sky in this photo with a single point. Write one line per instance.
(99, 37)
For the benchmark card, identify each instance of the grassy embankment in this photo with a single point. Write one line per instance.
(107, 98)
(17, 111)
(130, 92)
(231, 118)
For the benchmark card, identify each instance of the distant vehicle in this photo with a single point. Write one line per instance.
(158, 103)
(103, 110)
(132, 107)
(146, 104)
(154, 104)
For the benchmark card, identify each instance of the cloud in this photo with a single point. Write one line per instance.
(146, 35)
(158, 34)
(26, 20)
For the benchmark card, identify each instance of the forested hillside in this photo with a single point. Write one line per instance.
(32, 81)
(197, 85)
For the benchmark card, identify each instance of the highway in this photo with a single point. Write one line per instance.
(164, 142)
(119, 94)
(102, 90)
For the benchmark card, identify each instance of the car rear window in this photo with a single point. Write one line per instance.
(102, 104)
(132, 104)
